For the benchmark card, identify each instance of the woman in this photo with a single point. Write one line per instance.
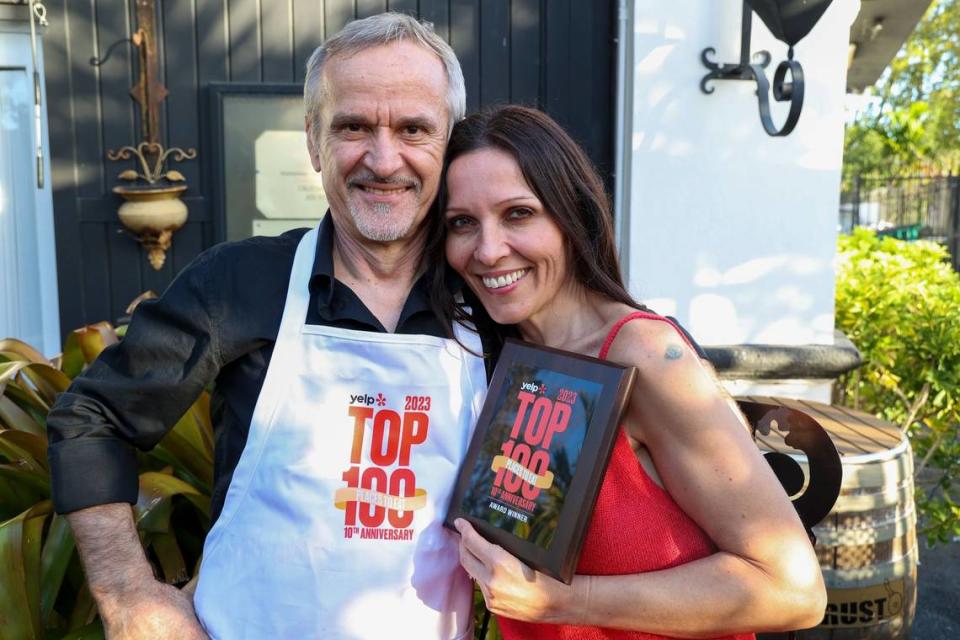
(692, 536)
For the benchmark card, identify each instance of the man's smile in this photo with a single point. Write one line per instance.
(383, 192)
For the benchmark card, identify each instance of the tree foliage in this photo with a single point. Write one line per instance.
(898, 302)
(914, 127)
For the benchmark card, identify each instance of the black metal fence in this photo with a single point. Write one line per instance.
(906, 207)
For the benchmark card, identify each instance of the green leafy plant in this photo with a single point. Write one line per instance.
(899, 302)
(43, 593)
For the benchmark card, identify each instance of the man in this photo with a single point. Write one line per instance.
(342, 410)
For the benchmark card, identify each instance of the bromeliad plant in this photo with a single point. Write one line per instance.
(898, 302)
(43, 592)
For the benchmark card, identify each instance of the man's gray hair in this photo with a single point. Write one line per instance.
(377, 30)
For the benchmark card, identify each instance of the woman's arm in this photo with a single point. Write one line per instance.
(764, 576)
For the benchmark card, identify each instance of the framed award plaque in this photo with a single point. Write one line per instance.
(539, 452)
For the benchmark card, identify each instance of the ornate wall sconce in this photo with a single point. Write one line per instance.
(152, 208)
(789, 21)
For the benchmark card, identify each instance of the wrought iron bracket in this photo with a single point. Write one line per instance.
(784, 89)
(152, 209)
(99, 62)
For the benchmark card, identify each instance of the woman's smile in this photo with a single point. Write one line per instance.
(503, 281)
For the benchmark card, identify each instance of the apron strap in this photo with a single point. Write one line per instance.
(298, 291)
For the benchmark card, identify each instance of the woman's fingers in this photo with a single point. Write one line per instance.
(477, 546)
(476, 543)
(471, 564)
(472, 550)
(509, 586)
(474, 558)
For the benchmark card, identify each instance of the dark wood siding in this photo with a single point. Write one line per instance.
(554, 54)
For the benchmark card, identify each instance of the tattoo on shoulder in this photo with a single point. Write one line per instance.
(674, 352)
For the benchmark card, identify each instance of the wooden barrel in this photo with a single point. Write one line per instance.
(867, 545)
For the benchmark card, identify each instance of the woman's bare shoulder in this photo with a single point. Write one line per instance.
(644, 339)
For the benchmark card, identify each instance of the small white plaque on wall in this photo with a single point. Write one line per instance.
(286, 184)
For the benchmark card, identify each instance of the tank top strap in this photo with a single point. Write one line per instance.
(644, 315)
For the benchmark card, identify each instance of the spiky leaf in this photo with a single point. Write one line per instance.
(27, 450)
(189, 445)
(14, 349)
(94, 338)
(57, 551)
(168, 553)
(20, 539)
(156, 488)
(14, 417)
(149, 294)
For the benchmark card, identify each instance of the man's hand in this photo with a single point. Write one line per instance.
(511, 588)
(132, 603)
(157, 611)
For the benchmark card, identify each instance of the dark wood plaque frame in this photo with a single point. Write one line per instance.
(559, 559)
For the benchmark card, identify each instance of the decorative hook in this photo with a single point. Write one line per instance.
(729, 71)
(97, 62)
(783, 91)
(40, 12)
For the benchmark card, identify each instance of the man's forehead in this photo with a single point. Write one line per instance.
(395, 80)
(394, 63)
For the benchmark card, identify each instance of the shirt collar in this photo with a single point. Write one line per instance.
(321, 278)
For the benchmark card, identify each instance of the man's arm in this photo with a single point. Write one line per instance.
(129, 399)
(136, 390)
(132, 603)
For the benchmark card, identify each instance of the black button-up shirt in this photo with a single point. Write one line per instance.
(216, 323)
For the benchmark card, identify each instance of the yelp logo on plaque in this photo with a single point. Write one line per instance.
(533, 387)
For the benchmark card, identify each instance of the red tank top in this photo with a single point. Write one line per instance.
(635, 527)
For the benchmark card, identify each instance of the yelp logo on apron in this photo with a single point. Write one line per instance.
(381, 493)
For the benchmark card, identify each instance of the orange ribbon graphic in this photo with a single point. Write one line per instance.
(544, 482)
(398, 503)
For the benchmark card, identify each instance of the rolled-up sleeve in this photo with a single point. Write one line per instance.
(134, 393)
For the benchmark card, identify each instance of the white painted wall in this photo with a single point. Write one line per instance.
(730, 230)
(29, 308)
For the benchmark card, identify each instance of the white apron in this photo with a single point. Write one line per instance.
(331, 527)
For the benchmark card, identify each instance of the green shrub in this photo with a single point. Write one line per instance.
(899, 302)
(43, 593)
